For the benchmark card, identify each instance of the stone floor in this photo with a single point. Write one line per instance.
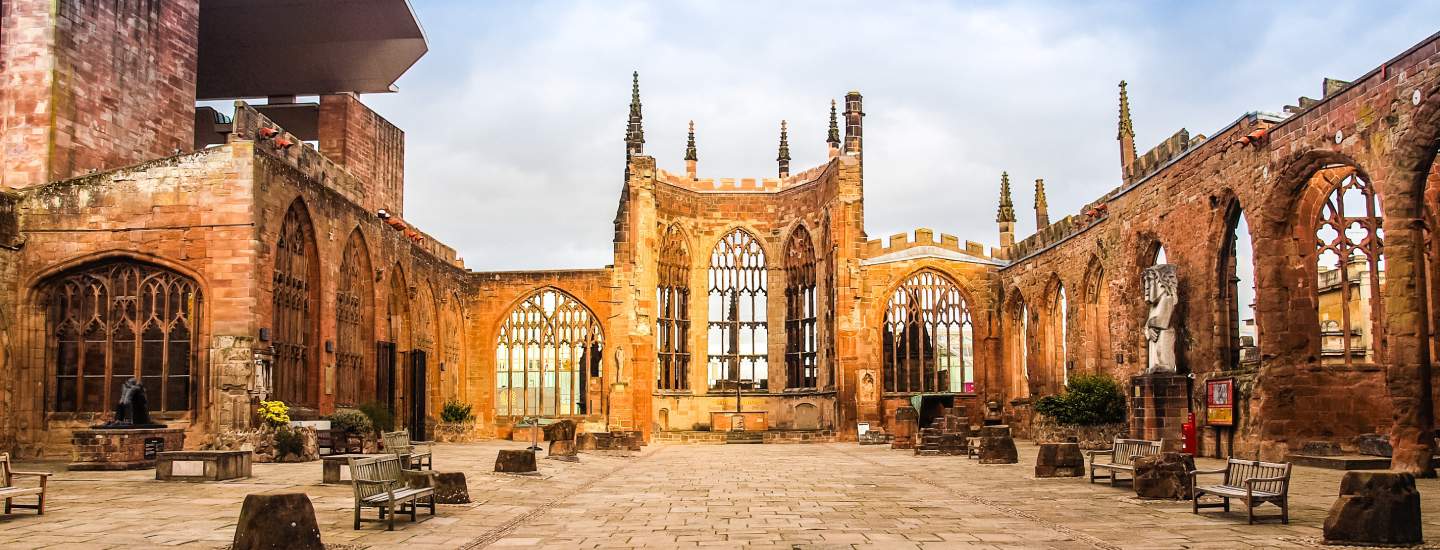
(758, 496)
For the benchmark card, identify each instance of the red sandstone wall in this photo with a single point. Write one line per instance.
(368, 146)
(96, 85)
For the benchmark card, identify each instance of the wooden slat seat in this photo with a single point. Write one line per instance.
(418, 452)
(8, 489)
(1122, 455)
(382, 483)
(1251, 481)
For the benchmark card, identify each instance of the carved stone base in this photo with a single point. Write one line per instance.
(122, 449)
(1158, 405)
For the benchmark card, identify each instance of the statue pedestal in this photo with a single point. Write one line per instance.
(1158, 403)
(122, 449)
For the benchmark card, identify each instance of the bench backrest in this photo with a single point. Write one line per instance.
(1237, 471)
(384, 468)
(1125, 448)
(4, 469)
(396, 442)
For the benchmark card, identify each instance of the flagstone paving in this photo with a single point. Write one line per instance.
(751, 496)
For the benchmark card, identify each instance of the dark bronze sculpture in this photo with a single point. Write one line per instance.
(133, 411)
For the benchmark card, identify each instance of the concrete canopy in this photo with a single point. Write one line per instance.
(260, 48)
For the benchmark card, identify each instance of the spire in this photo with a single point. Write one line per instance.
(690, 156)
(690, 144)
(1126, 135)
(1007, 207)
(1042, 209)
(784, 157)
(1127, 128)
(634, 132)
(833, 137)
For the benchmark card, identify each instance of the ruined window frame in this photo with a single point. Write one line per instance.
(548, 324)
(926, 299)
(107, 301)
(672, 319)
(738, 284)
(801, 319)
(293, 312)
(1332, 212)
(354, 336)
(1231, 309)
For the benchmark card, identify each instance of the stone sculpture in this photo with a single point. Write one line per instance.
(1161, 293)
(133, 410)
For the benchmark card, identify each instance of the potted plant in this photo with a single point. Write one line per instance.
(349, 429)
(456, 422)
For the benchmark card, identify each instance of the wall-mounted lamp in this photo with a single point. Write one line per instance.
(264, 334)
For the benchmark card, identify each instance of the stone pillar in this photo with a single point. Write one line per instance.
(1408, 376)
(1158, 403)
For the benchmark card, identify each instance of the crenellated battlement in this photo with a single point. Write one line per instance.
(922, 237)
(741, 185)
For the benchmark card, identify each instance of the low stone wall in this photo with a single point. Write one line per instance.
(688, 438)
(692, 437)
(459, 432)
(1102, 436)
(261, 442)
(799, 436)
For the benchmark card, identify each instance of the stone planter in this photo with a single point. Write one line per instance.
(1097, 437)
(455, 432)
(261, 442)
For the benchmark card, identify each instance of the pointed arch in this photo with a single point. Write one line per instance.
(295, 298)
(1239, 338)
(927, 337)
(1096, 313)
(1056, 334)
(801, 367)
(547, 349)
(354, 323)
(672, 321)
(117, 319)
(453, 330)
(1346, 217)
(738, 331)
(1015, 326)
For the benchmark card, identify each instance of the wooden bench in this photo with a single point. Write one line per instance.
(417, 451)
(9, 491)
(1122, 456)
(1253, 481)
(381, 483)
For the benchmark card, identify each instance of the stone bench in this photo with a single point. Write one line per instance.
(202, 465)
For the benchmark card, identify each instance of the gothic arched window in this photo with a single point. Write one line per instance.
(1237, 292)
(738, 334)
(295, 284)
(354, 331)
(928, 338)
(672, 324)
(1351, 269)
(120, 320)
(547, 350)
(801, 370)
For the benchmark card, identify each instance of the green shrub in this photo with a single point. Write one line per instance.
(381, 418)
(350, 421)
(289, 442)
(1089, 399)
(455, 412)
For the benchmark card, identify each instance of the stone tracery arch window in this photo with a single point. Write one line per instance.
(1350, 269)
(738, 334)
(1237, 292)
(672, 336)
(546, 352)
(295, 284)
(801, 368)
(354, 297)
(928, 337)
(120, 320)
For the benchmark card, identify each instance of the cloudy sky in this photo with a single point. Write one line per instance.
(515, 119)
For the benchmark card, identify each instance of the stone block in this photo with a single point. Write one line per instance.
(284, 521)
(202, 465)
(563, 430)
(563, 449)
(996, 445)
(515, 461)
(450, 487)
(1320, 448)
(1059, 460)
(1374, 445)
(1163, 476)
(1375, 508)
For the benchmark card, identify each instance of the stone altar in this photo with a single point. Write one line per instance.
(122, 448)
(202, 465)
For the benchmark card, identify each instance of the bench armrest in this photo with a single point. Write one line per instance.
(386, 483)
(41, 475)
(1194, 473)
(1093, 454)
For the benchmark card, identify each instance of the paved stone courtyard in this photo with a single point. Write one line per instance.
(757, 496)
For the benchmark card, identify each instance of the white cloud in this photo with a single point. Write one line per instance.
(514, 120)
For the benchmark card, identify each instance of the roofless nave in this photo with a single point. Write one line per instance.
(225, 260)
